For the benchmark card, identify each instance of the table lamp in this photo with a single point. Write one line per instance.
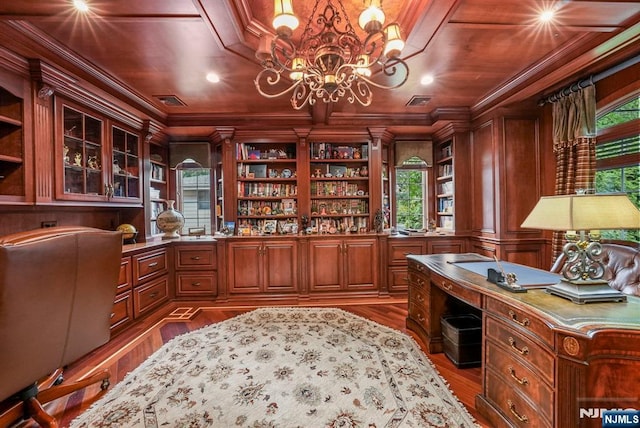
(582, 216)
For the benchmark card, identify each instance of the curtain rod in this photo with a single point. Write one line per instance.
(583, 83)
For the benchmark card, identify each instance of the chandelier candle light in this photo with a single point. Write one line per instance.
(330, 61)
(582, 216)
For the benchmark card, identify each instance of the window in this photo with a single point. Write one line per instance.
(411, 194)
(194, 197)
(618, 157)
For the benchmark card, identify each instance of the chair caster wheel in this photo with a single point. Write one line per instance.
(58, 380)
(105, 384)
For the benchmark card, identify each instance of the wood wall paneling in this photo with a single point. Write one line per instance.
(483, 182)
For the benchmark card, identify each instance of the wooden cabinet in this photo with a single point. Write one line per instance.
(122, 313)
(262, 265)
(150, 280)
(267, 187)
(196, 270)
(95, 162)
(397, 251)
(445, 186)
(339, 187)
(343, 264)
(12, 161)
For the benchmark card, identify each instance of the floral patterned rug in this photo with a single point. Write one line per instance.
(283, 367)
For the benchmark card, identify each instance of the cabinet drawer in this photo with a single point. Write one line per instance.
(196, 257)
(148, 296)
(527, 323)
(398, 252)
(519, 377)
(518, 410)
(124, 280)
(419, 315)
(122, 311)
(149, 265)
(191, 284)
(521, 348)
(456, 290)
(398, 280)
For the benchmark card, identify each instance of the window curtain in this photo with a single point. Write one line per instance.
(574, 144)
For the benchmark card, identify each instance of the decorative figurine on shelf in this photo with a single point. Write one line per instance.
(77, 160)
(116, 167)
(364, 171)
(378, 221)
(92, 162)
(65, 153)
(356, 153)
(129, 233)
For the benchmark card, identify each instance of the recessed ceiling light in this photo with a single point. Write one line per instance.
(427, 79)
(81, 5)
(547, 15)
(213, 77)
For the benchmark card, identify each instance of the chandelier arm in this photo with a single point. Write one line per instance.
(286, 48)
(272, 80)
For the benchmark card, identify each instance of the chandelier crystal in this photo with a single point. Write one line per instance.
(330, 61)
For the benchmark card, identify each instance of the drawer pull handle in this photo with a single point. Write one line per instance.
(420, 282)
(153, 295)
(419, 298)
(521, 381)
(525, 322)
(154, 264)
(196, 284)
(512, 408)
(113, 314)
(447, 286)
(421, 318)
(523, 351)
(195, 258)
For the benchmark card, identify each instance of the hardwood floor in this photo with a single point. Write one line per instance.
(129, 349)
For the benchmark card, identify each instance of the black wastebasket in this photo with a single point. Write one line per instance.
(462, 339)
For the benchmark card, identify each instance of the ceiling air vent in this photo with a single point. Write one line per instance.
(418, 101)
(170, 100)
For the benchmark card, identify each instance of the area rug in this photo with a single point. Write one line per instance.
(283, 367)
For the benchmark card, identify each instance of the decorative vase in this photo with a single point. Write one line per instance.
(170, 221)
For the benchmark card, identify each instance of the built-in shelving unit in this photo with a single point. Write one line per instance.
(12, 173)
(158, 184)
(444, 186)
(218, 176)
(339, 187)
(125, 171)
(267, 188)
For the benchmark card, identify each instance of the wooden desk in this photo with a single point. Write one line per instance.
(546, 362)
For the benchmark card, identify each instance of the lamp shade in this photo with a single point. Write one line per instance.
(584, 212)
(284, 21)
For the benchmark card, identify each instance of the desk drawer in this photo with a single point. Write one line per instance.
(196, 257)
(149, 296)
(519, 377)
(149, 265)
(526, 322)
(456, 290)
(521, 348)
(518, 410)
(193, 284)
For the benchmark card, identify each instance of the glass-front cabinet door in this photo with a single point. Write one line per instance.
(82, 156)
(125, 167)
(97, 160)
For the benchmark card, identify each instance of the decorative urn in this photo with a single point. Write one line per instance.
(170, 221)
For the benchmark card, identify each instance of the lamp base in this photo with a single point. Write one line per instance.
(586, 291)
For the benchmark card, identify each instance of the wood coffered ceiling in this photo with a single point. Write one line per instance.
(482, 53)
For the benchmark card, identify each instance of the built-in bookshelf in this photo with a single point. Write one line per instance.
(267, 188)
(158, 185)
(339, 187)
(12, 174)
(444, 186)
(218, 176)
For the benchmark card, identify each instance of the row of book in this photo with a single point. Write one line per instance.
(445, 205)
(446, 188)
(336, 188)
(266, 190)
(445, 170)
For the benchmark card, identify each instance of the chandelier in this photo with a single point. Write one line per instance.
(330, 61)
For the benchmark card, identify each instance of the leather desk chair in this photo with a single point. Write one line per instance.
(57, 288)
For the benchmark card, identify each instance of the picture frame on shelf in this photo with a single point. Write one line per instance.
(270, 227)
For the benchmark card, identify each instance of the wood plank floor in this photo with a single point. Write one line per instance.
(129, 349)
